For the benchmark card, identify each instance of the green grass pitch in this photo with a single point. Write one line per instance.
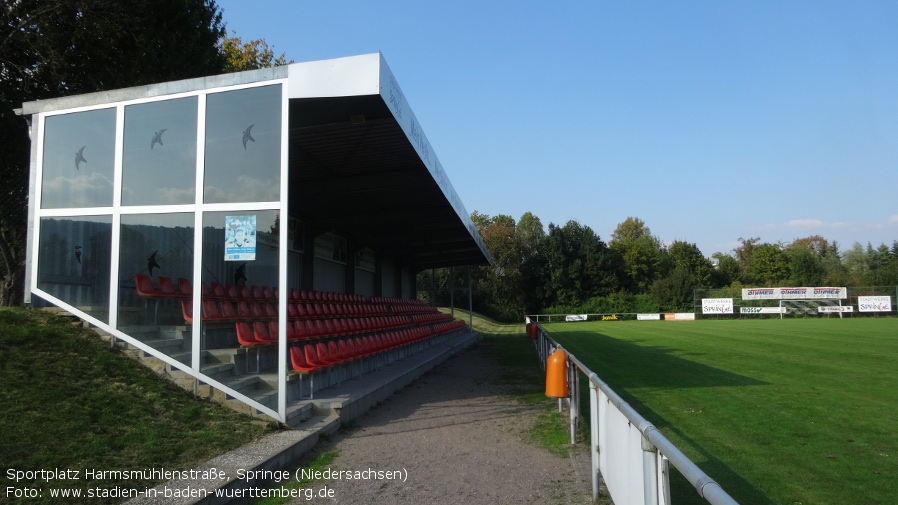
(793, 411)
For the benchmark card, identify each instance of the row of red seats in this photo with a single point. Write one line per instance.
(144, 285)
(264, 332)
(302, 295)
(226, 310)
(309, 357)
(332, 303)
(431, 318)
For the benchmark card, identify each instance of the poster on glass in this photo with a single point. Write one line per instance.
(240, 238)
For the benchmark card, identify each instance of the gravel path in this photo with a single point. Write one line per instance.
(456, 437)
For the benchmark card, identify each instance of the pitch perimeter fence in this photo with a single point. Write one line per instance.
(856, 303)
(629, 452)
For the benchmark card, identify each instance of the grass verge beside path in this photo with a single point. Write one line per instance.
(514, 351)
(70, 402)
(795, 411)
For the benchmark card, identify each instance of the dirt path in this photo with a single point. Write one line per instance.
(457, 437)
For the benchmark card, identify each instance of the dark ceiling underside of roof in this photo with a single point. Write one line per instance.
(353, 172)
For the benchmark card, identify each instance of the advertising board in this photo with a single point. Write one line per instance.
(803, 293)
(762, 310)
(717, 305)
(874, 303)
(836, 308)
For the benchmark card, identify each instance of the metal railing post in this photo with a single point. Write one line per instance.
(574, 381)
(649, 471)
(594, 437)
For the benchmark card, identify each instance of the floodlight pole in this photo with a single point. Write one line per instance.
(470, 300)
(452, 291)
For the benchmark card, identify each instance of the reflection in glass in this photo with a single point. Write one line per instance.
(74, 259)
(232, 289)
(159, 158)
(78, 159)
(155, 276)
(243, 145)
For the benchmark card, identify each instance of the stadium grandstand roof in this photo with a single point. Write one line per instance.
(359, 163)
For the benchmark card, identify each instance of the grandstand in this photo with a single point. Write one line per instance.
(257, 232)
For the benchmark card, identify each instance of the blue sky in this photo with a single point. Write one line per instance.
(708, 120)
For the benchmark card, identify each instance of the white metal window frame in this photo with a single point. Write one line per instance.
(198, 208)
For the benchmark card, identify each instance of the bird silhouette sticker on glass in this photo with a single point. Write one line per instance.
(151, 263)
(247, 135)
(157, 138)
(79, 158)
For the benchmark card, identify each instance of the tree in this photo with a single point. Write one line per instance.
(674, 292)
(640, 252)
(882, 267)
(726, 272)
(743, 255)
(532, 237)
(65, 47)
(499, 288)
(855, 261)
(768, 265)
(690, 259)
(250, 55)
(579, 265)
(805, 267)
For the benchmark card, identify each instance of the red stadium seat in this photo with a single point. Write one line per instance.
(299, 329)
(166, 288)
(217, 290)
(144, 285)
(228, 311)
(261, 330)
(184, 287)
(187, 310)
(243, 310)
(210, 311)
(298, 360)
(312, 357)
(245, 335)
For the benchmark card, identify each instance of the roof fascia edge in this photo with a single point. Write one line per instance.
(154, 90)
(395, 100)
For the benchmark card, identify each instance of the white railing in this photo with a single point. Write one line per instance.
(629, 453)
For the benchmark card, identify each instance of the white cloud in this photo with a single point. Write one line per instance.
(804, 223)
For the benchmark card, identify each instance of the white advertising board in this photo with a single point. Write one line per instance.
(874, 303)
(648, 317)
(575, 317)
(717, 305)
(762, 310)
(836, 308)
(679, 316)
(804, 293)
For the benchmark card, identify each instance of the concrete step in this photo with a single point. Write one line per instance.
(300, 412)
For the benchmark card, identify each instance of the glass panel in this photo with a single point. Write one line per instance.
(155, 277)
(159, 159)
(243, 145)
(74, 261)
(79, 158)
(239, 294)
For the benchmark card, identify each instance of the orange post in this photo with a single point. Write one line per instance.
(556, 375)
